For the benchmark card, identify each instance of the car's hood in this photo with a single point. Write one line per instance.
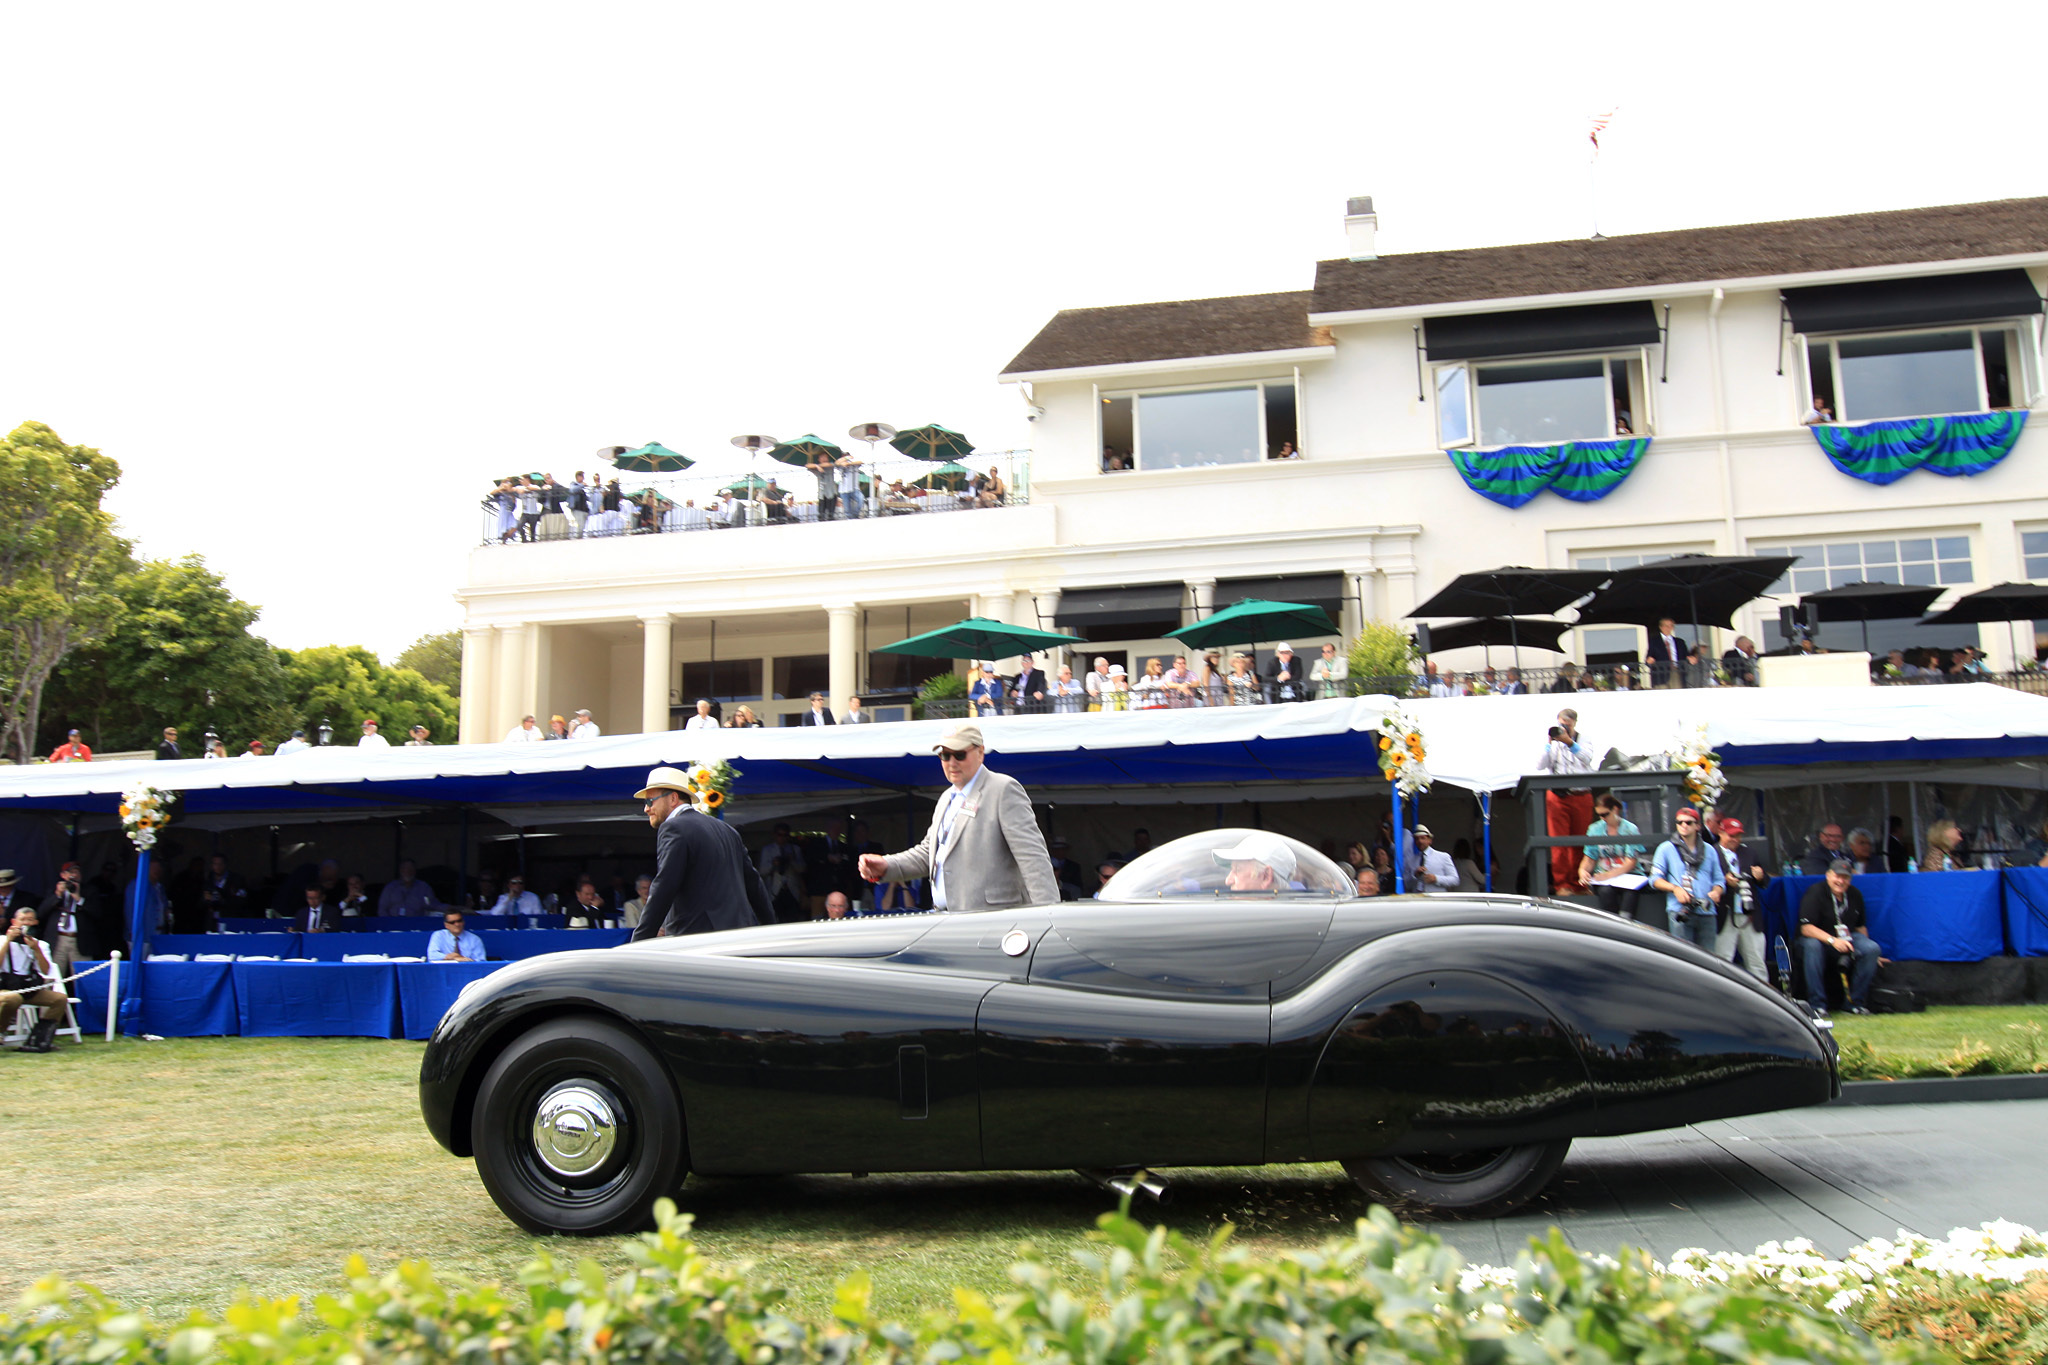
(867, 936)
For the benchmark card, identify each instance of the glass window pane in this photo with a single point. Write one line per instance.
(1880, 552)
(1612, 640)
(1809, 580)
(2034, 542)
(1842, 575)
(1182, 430)
(1908, 376)
(1117, 450)
(1881, 573)
(1565, 400)
(1453, 406)
(1589, 562)
(801, 675)
(1844, 554)
(1952, 547)
(1920, 575)
(1955, 571)
(1910, 550)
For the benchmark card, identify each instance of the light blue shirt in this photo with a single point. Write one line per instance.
(444, 943)
(955, 799)
(1669, 867)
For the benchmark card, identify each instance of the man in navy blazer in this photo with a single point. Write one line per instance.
(702, 877)
(819, 714)
(318, 917)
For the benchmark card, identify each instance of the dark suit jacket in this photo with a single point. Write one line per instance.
(703, 880)
(1029, 681)
(330, 920)
(168, 750)
(823, 717)
(1297, 681)
(1741, 667)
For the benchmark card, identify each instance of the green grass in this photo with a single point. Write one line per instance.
(1952, 1039)
(172, 1173)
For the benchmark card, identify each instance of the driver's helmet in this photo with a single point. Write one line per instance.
(1199, 866)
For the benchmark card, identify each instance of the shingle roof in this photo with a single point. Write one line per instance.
(1139, 332)
(1951, 232)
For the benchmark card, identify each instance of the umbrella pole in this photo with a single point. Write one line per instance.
(1486, 829)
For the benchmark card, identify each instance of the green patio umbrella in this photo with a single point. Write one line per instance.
(805, 451)
(746, 487)
(947, 475)
(1256, 619)
(980, 638)
(932, 442)
(652, 458)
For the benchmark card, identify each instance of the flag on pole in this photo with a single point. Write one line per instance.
(1600, 122)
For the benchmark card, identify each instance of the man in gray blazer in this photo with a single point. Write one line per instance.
(984, 848)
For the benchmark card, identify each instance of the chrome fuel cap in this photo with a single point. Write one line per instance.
(575, 1128)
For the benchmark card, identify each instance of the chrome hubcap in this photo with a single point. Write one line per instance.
(575, 1128)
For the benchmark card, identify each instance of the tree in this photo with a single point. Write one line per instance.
(345, 685)
(437, 658)
(1381, 655)
(181, 636)
(59, 558)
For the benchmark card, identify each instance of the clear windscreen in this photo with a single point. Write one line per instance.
(1223, 863)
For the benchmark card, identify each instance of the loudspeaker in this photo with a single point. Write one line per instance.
(1422, 638)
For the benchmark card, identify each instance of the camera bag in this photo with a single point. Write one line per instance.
(1896, 1000)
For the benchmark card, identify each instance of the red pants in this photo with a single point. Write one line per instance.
(1567, 813)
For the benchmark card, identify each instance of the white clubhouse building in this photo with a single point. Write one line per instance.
(1660, 380)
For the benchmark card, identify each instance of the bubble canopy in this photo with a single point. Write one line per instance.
(1247, 864)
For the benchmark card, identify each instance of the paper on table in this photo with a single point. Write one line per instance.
(1627, 881)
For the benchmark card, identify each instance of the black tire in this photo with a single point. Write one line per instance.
(1481, 1184)
(587, 1069)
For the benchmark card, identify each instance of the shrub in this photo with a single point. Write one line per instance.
(940, 687)
(1384, 1293)
(1381, 653)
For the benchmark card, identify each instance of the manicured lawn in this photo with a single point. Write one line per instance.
(1953, 1036)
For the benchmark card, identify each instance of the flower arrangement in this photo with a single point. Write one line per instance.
(1704, 781)
(711, 785)
(1402, 758)
(144, 811)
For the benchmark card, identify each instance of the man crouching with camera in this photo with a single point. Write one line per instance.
(25, 976)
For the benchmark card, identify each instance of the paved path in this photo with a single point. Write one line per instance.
(1837, 1175)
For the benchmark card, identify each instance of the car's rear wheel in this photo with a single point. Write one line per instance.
(577, 1129)
(1477, 1184)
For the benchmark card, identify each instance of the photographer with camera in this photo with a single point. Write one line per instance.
(25, 976)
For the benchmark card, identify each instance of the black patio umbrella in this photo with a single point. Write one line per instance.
(1711, 587)
(1867, 602)
(1536, 631)
(1509, 592)
(2007, 602)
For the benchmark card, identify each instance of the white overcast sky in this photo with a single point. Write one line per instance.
(314, 273)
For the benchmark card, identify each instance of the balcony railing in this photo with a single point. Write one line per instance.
(668, 503)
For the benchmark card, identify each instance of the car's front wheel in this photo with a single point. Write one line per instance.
(1477, 1184)
(577, 1129)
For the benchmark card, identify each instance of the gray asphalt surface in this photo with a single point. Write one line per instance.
(1837, 1175)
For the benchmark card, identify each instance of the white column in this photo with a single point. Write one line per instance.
(509, 704)
(842, 653)
(539, 679)
(994, 604)
(1399, 568)
(473, 725)
(655, 648)
(1202, 591)
(1356, 608)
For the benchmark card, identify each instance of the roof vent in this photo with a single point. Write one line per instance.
(1361, 224)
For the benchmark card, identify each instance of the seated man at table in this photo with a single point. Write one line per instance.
(1827, 847)
(408, 895)
(318, 917)
(517, 900)
(356, 903)
(453, 943)
(1831, 928)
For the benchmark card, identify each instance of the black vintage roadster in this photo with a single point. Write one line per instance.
(1228, 1001)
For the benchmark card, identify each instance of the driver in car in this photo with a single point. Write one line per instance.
(1259, 862)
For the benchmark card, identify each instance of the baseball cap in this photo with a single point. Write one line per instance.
(1684, 811)
(1731, 825)
(1260, 847)
(1843, 866)
(959, 735)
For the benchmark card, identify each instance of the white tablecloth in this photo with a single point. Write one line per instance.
(605, 524)
(685, 519)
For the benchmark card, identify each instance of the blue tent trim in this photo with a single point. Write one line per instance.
(1882, 751)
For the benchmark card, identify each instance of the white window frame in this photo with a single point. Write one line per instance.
(1104, 396)
(1824, 543)
(2023, 364)
(2022, 532)
(1641, 393)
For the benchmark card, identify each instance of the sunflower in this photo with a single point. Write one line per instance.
(713, 799)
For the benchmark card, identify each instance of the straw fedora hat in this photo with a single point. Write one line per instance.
(664, 779)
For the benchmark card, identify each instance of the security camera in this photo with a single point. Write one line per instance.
(1033, 413)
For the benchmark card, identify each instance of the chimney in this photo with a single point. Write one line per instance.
(1360, 225)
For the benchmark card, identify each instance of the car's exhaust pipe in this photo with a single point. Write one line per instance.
(1132, 1181)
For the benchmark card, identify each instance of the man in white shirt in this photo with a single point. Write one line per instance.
(517, 900)
(1434, 870)
(1095, 682)
(703, 720)
(1329, 673)
(25, 956)
(854, 715)
(294, 744)
(371, 739)
(585, 727)
(527, 731)
(1669, 654)
(849, 486)
(819, 714)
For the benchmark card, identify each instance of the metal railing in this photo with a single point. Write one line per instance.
(668, 503)
(2031, 680)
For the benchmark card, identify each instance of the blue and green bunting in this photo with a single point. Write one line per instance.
(1885, 452)
(1583, 471)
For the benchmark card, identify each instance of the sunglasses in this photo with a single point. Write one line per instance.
(1683, 823)
(954, 755)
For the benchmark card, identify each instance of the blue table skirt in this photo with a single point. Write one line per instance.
(2026, 910)
(371, 924)
(511, 945)
(1914, 916)
(267, 944)
(427, 989)
(179, 999)
(316, 999)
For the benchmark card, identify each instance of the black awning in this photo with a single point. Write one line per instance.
(1922, 301)
(1119, 606)
(1541, 331)
(1311, 589)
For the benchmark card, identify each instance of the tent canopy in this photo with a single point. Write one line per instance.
(1766, 736)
